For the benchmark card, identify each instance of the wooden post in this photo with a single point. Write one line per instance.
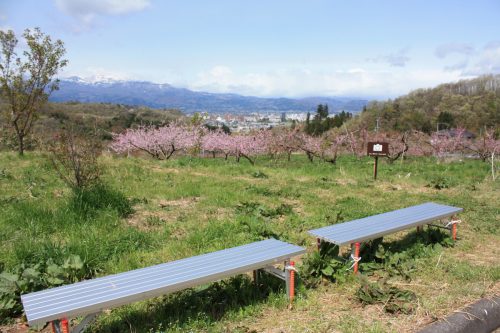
(375, 167)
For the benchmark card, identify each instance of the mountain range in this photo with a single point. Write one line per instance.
(165, 96)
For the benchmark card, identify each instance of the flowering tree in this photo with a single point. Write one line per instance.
(164, 142)
(160, 143)
(445, 143)
(216, 142)
(487, 147)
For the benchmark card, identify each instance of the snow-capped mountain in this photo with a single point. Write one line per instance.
(105, 90)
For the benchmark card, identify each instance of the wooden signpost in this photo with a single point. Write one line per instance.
(377, 149)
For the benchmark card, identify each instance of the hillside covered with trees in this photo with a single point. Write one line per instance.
(100, 119)
(472, 104)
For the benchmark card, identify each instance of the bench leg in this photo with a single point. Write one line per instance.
(287, 280)
(355, 256)
(453, 228)
(318, 243)
(420, 229)
(85, 322)
(256, 277)
(290, 280)
(60, 326)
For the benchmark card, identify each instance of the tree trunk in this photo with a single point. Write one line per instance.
(248, 158)
(20, 138)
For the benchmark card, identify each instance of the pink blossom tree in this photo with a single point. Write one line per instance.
(447, 143)
(160, 143)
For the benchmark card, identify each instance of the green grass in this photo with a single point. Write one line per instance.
(189, 206)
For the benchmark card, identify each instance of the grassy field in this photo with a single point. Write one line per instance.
(189, 206)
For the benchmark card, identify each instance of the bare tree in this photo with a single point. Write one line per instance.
(74, 157)
(27, 81)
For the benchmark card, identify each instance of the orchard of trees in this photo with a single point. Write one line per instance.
(176, 138)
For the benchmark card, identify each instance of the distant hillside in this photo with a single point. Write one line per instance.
(166, 96)
(472, 104)
(100, 119)
(104, 117)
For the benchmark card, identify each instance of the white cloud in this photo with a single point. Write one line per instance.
(398, 59)
(488, 62)
(94, 74)
(443, 50)
(297, 83)
(459, 66)
(87, 10)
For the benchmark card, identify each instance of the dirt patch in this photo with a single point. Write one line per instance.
(167, 211)
(182, 203)
(346, 181)
(157, 168)
(296, 205)
(484, 253)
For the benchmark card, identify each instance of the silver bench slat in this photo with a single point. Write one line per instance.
(382, 224)
(119, 289)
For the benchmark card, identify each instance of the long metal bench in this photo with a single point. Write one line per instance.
(91, 297)
(368, 228)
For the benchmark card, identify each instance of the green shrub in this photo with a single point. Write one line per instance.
(260, 210)
(87, 201)
(26, 278)
(399, 258)
(325, 263)
(259, 174)
(394, 300)
(440, 182)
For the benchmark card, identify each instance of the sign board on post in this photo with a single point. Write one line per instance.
(377, 149)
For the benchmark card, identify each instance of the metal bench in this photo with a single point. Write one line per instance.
(91, 297)
(356, 231)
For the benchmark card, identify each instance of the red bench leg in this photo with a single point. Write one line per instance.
(355, 256)
(292, 282)
(60, 326)
(64, 325)
(454, 231)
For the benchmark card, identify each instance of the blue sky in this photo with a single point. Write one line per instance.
(271, 48)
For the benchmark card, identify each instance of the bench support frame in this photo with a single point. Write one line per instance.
(287, 275)
(451, 225)
(62, 326)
